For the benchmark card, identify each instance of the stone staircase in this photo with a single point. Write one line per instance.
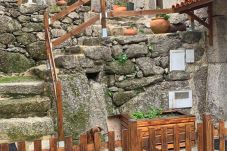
(24, 110)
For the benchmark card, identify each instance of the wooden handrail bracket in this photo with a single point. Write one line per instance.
(75, 31)
(68, 10)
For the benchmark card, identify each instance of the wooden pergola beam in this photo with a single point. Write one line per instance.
(193, 6)
(68, 10)
(139, 12)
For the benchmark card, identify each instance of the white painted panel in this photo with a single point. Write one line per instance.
(177, 102)
(190, 55)
(177, 60)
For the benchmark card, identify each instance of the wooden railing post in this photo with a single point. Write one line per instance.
(125, 140)
(133, 136)
(222, 135)
(103, 17)
(208, 133)
(200, 136)
(111, 141)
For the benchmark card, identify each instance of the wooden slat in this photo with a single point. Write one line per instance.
(21, 146)
(111, 140)
(75, 31)
(0, 147)
(5, 147)
(176, 138)
(125, 140)
(152, 142)
(140, 140)
(193, 6)
(207, 135)
(68, 10)
(68, 143)
(164, 139)
(97, 141)
(83, 142)
(200, 136)
(222, 135)
(188, 138)
(37, 145)
(53, 144)
(139, 12)
(133, 142)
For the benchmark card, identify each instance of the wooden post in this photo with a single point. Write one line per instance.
(133, 142)
(152, 143)
(103, 18)
(53, 144)
(68, 143)
(188, 137)
(125, 140)
(97, 141)
(164, 139)
(176, 134)
(83, 142)
(21, 146)
(140, 140)
(192, 21)
(222, 135)
(200, 136)
(111, 141)
(5, 147)
(37, 145)
(207, 133)
(60, 110)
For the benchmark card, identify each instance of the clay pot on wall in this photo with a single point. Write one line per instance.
(129, 31)
(119, 8)
(61, 2)
(160, 25)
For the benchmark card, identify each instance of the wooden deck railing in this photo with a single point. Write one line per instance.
(158, 139)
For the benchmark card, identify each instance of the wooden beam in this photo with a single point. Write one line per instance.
(75, 31)
(103, 19)
(68, 10)
(194, 17)
(193, 6)
(139, 12)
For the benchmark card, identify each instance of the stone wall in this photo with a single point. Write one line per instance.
(22, 43)
(98, 84)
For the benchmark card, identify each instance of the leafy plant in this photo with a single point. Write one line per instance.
(153, 112)
(120, 2)
(109, 93)
(165, 16)
(151, 46)
(122, 58)
(141, 31)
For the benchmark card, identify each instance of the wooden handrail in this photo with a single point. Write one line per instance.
(75, 31)
(56, 82)
(68, 10)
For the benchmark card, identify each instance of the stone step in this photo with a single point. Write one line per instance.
(31, 128)
(32, 87)
(24, 107)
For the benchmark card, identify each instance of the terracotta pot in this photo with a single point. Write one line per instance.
(61, 2)
(129, 31)
(160, 25)
(119, 8)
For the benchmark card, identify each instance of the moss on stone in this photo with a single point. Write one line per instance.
(16, 134)
(14, 62)
(17, 79)
(76, 121)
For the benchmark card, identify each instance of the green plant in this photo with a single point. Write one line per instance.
(119, 2)
(109, 93)
(151, 46)
(165, 16)
(141, 31)
(122, 58)
(153, 112)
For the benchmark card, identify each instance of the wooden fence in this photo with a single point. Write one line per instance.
(158, 139)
